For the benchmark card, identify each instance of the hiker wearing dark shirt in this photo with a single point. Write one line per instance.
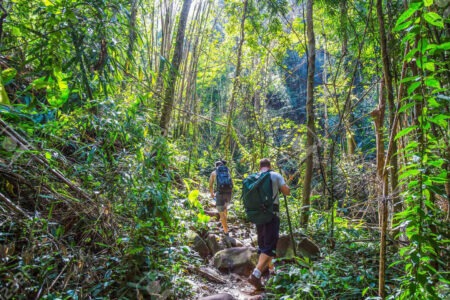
(268, 233)
(223, 198)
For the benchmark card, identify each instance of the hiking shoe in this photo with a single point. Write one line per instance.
(256, 282)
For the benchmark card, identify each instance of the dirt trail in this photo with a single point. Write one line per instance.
(235, 285)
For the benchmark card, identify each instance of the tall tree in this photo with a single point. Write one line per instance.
(382, 171)
(310, 135)
(236, 84)
(173, 73)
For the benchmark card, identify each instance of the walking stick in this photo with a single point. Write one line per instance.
(290, 225)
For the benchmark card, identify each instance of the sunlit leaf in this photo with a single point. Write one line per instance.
(405, 132)
(407, 14)
(413, 87)
(434, 19)
(431, 82)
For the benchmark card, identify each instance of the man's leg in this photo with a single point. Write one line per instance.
(267, 240)
(263, 262)
(221, 205)
(223, 220)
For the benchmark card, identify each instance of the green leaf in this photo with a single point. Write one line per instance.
(429, 66)
(432, 102)
(403, 26)
(405, 107)
(48, 155)
(441, 120)
(47, 3)
(444, 46)
(409, 173)
(431, 82)
(413, 87)
(8, 75)
(428, 2)
(410, 78)
(405, 132)
(407, 14)
(410, 55)
(434, 19)
(193, 198)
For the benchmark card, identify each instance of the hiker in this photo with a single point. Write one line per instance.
(268, 233)
(221, 179)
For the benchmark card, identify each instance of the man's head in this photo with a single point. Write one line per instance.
(264, 163)
(219, 163)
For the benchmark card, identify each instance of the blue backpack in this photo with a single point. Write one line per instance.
(224, 183)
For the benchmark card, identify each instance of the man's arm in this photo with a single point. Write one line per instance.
(212, 178)
(285, 190)
(283, 186)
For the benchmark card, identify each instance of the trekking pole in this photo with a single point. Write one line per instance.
(290, 225)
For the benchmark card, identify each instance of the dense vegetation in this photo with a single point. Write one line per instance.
(112, 114)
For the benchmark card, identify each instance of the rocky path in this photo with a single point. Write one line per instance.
(228, 261)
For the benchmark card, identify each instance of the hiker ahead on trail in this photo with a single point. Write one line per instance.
(221, 179)
(261, 202)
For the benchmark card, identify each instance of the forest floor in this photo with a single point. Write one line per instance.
(234, 285)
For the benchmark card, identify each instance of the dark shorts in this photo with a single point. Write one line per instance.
(268, 236)
(222, 201)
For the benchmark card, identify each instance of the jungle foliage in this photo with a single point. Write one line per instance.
(112, 114)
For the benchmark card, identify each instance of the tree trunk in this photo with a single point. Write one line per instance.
(236, 85)
(390, 96)
(176, 60)
(310, 135)
(378, 117)
(166, 41)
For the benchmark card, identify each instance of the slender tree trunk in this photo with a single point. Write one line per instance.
(236, 85)
(310, 135)
(176, 61)
(132, 31)
(3, 15)
(166, 10)
(393, 128)
(394, 166)
(378, 118)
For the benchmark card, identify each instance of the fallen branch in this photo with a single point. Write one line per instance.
(40, 159)
(13, 206)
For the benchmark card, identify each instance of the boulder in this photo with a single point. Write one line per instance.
(305, 247)
(236, 242)
(212, 241)
(221, 296)
(239, 260)
(198, 244)
(284, 247)
(308, 248)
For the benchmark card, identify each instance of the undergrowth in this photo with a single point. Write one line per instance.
(119, 240)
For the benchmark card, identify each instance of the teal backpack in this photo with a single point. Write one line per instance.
(257, 196)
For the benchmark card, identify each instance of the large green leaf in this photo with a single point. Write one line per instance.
(407, 14)
(434, 19)
(413, 87)
(405, 132)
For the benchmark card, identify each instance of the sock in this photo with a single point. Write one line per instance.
(256, 273)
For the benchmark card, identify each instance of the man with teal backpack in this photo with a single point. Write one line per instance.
(260, 196)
